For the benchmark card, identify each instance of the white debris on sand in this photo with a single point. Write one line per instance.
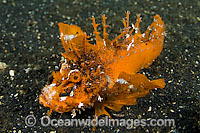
(3, 65)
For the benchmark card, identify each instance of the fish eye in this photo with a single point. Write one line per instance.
(74, 75)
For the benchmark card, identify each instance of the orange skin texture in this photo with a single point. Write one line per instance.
(104, 74)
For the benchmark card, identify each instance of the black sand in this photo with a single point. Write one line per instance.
(30, 45)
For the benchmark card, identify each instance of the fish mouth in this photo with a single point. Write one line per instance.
(56, 105)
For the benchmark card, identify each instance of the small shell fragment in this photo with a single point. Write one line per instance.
(12, 73)
(3, 65)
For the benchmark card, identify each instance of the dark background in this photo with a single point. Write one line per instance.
(30, 45)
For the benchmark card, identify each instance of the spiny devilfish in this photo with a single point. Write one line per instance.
(104, 74)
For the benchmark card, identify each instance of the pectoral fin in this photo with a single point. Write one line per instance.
(137, 85)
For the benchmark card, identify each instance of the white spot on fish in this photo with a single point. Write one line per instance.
(121, 81)
(136, 30)
(69, 37)
(61, 34)
(143, 35)
(52, 85)
(52, 94)
(130, 87)
(62, 98)
(127, 35)
(131, 44)
(100, 98)
(80, 105)
(71, 94)
(104, 42)
(133, 26)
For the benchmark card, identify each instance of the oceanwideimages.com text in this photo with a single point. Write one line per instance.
(46, 121)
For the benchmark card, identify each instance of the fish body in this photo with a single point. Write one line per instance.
(104, 74)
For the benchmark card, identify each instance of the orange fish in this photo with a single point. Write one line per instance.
(104, 74)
